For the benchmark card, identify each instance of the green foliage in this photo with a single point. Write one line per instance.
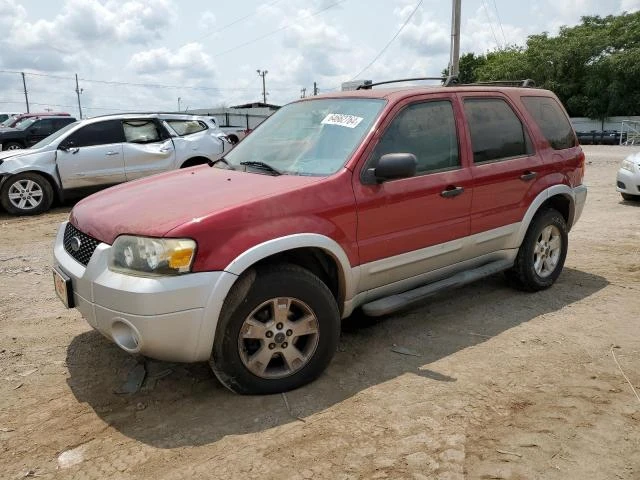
(593, 67)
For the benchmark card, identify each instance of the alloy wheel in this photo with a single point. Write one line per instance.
(25, 194)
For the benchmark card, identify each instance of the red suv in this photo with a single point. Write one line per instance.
(372, 199)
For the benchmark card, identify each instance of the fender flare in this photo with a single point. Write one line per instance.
(562, 190)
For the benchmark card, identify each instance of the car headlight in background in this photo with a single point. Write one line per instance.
(628, 165)
(151, 256)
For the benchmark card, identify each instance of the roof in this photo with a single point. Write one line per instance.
(403, 92)
(257, 105)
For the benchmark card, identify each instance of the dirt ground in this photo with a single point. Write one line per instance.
(505, 385)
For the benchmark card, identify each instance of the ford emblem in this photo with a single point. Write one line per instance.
(75, 244)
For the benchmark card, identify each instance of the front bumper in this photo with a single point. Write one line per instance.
(628, 182)
(170, 318)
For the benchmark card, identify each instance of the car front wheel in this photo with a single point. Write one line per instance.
(11, 146)
(542, 254)
(278, 330)
(26, 194)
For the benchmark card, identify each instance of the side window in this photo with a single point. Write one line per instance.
(496, 131)
(552, 121)
(428, 130)
(100, 133)
(186, 127)
(43, 127)
(141, 131)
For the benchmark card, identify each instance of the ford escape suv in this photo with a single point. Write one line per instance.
(374, 199)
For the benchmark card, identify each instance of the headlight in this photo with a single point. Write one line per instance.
(627, 165)
(151, 256)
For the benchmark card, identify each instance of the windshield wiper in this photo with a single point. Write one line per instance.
(263, 166)
(211, 163)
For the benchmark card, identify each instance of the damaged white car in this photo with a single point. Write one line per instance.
(102, 151)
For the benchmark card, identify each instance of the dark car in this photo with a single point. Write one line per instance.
(31, 130)
(17, 118)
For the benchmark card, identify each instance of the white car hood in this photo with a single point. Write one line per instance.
(13, 160)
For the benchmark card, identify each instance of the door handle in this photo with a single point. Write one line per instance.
(528, 176)
(451, 191)
(112, 153)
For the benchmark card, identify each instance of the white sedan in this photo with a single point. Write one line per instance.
(628, 181)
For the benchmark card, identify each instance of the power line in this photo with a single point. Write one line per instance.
(236, 21)
(277, 30)
(390, 41)
(500, 23)
(486, 10)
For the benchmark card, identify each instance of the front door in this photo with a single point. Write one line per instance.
(411, 226)
(39, 130)
(148, 149)
(92, 156)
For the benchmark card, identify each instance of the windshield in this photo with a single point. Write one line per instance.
(26, 123)
(8, 121)
(314, 137)
(54, 136)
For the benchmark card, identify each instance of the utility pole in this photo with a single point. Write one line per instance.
(315, 89)
(303, 92)
(263, 73)
(78, 92)
(178, 104)
(454, 62)
(26, 96)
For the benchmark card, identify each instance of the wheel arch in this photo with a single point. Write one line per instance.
(193, 161)
(559, 197)
(57, 190)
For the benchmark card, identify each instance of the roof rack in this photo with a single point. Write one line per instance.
(367, 86)
(452, 80)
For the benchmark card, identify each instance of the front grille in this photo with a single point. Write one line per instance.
(79, 245)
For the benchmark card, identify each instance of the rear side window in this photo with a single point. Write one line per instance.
(186, 127)
(141, 131)
(552, 121)
(428, 130)
(496, 131)
(101, 133)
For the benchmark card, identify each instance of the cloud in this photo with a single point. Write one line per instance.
(630, 6)
(207, 20)
(189, 61)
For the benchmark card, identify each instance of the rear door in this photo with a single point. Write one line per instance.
(411, 226)
(505, 168)
(148, 148)
(92, 156)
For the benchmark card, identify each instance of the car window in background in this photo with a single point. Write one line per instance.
(25, 123)
(43, 126)
(55, 136)
(313, 137)
(186, 127)
(100, 133)
(428, 130)
(552, 121)
(7, 122)
(496, 131)
(140, 131)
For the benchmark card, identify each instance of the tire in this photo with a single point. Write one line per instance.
(255, 298)
(26, 194)
(11, 146)
(630, 198)
(530, 271)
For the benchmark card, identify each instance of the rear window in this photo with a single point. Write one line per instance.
(552, 121)
(186, 127)
(496, 131)
(141, 131)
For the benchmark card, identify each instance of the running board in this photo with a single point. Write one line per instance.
(387, 305)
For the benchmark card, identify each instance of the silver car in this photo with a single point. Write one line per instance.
(103, 151)
(628, 180)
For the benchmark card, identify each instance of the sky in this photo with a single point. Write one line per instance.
(144, 55)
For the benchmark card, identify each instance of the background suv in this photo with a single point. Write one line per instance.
(31, 130)
(373, 199)
(99, 152)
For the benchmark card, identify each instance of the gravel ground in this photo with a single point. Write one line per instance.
(503, 384)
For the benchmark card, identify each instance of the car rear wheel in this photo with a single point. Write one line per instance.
(630, 198)
(11, 146)
(542, 254)
(26, 194)
(278, 330)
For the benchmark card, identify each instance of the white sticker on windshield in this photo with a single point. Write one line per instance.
(342, 120)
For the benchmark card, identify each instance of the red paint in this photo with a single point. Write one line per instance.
(228, 212)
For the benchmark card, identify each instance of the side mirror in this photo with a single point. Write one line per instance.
(393, 166)
(66, 145)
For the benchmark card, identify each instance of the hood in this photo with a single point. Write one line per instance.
(156, 205)
(15, 154)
